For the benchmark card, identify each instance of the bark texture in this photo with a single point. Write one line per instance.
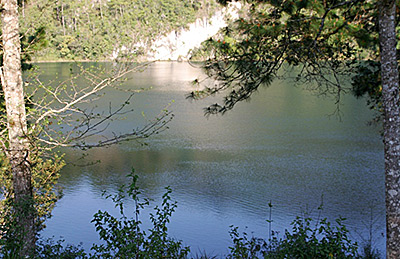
(11, 80)
(390, 94)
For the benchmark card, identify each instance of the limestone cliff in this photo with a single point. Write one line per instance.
(178, 44)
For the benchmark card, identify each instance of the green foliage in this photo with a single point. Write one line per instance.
(320, 241)
(245, 246)
(306, 240)
(325, 39)
(368, 252)
(51, 249)
(45, 174)
(124, 237)
(367, 82)
(93, 30)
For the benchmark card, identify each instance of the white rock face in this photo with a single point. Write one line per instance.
(177, 44)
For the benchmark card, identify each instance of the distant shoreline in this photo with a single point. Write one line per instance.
(64, 61)
(105, 61)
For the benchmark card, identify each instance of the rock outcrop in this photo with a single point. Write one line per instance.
(178, 44)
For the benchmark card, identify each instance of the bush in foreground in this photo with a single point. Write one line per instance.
(307, 239)
(124, 238)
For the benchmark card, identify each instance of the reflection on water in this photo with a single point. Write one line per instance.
(280, 147)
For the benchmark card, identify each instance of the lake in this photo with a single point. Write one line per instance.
(281, 147)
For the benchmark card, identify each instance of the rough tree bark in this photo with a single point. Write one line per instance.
(390, 94)
(11, 80)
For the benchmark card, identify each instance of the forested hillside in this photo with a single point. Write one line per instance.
(98, 29)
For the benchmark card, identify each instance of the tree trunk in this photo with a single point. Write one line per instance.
(11, 80)
(63, 18)
(390, 95)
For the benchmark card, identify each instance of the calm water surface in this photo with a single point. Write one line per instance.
(224, 170)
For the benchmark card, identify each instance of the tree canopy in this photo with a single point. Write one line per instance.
(328, 40)
(94, 29)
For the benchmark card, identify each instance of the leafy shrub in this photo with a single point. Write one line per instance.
(124, 237)
(322, 240)
(245, 247)
(50, 249)
(45, 174)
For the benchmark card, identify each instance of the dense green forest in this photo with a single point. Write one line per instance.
(94, 29)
